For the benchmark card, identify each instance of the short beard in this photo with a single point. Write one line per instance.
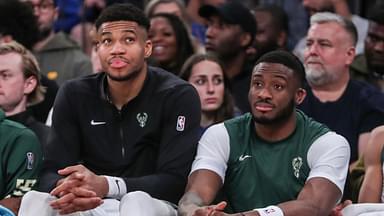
(281, 117)
(127, 77)
(317, 77)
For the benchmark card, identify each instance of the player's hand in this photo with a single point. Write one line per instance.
(337, 210)
(210, 210)
(80, 176)
(79, 199)
(80, 190)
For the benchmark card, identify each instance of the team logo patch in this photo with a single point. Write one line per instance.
(30, 160)
(142, 119)
(297, 162)
(180, 123)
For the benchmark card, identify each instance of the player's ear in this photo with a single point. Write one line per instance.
(300, 96)
(148, 48)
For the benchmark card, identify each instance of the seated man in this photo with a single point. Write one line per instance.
(276, 156)
(22, 88)
(130, 128)
(369, 185)
(18, 23)
(20, 160)
(372, 187)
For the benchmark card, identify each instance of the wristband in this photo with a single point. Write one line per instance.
(270, 211)
(116, 187)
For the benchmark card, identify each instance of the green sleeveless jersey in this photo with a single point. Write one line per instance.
(21, 158)
(262, 173)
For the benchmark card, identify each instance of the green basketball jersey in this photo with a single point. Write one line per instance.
(21, 158)
(262, 173)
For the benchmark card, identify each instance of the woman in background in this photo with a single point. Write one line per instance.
(171, 42)
(206, 74)
(178, 8)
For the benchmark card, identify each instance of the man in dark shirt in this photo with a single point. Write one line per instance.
(230, 32)
(349, 107)
(132, 128)
(369, 66)
(272, 30)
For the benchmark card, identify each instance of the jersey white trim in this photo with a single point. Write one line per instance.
(328, 157)
(213, 151)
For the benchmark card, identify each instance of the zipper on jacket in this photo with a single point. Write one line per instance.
(121, 132)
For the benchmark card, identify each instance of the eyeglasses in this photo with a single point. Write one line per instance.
(41, 7)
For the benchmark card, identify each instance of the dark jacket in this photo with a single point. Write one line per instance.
(150, 142)
(41, 130)
(359, 71)
(62, 59)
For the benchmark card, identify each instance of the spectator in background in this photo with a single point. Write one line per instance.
(60, 58)
(272, 30)
(20, 87)
(76, 18)
(69, 14)
(331, 91)
(171, 42)
(74, 12)
(176, 7)
(339, 7)
(298, 19)
(230, 32)
(96, 65)
(206, 74)
(369, 66)
(17, 22)
(198, 23)
(21, 159)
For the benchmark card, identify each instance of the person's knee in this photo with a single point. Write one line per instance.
(138, 197)
(141, 203)
(36, 203)
(137, 203)
(36, 196)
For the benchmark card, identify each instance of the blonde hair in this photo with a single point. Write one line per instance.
(30, 68)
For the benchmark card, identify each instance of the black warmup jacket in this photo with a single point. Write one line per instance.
(151, 142)
(41, 130)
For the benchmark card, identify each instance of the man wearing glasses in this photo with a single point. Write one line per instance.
(60, 57)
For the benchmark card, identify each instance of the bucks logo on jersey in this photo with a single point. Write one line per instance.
(142, 118)
(297, 162)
